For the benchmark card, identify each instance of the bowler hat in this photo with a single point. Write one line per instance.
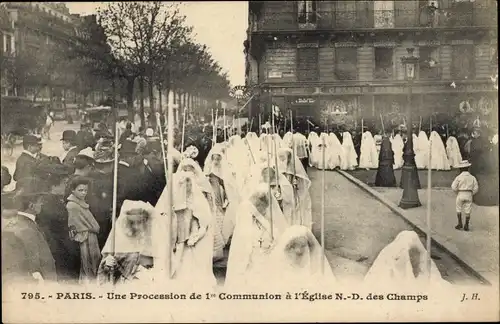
(32, 140)
(68, 135)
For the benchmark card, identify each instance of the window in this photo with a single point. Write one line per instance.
(384, 67)
(383, 14)
(429, 66)
(462, 62)
(307, 64)
(307, 12)
(8, 44)
(346, 60)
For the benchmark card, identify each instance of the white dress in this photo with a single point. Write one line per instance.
(350, 162)
(453, 151)
(368, 158)
(439, 159)
(422, 150)
(397, 148)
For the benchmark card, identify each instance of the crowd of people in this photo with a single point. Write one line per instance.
(238, 198)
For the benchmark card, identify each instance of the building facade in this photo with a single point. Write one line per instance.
(32, 27)
(317, 57)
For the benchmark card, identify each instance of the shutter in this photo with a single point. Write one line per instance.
(307, 64)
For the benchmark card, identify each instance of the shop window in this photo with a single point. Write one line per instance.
(384, 63)
(462, 66)
(429, 65)
(8, 44)
(307, 64)
(346, 63)
(307, 12)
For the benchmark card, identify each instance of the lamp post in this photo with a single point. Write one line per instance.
(409, 175)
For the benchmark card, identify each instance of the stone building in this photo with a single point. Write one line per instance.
(345, 56)
(32, 27)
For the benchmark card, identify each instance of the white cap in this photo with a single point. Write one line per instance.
(463, 164)
(87, 152)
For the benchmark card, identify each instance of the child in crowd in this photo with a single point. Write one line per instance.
(465, 186)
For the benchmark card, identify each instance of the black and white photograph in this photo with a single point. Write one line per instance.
(249, 161)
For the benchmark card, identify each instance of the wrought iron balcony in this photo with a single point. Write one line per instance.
(377, 19)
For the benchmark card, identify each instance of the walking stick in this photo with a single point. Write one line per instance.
(323, 208)
(429, 197)
(165, 266)
(183, 129)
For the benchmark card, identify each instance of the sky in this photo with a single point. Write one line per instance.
(220, 25)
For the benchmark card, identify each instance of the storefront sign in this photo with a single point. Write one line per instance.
(275, 75)
(384, 44)
(479, 87)
(346, 44)
(429, 43)
(462, 42)
(308, 45)
(343, 89)
(300, 90)
(304, 101)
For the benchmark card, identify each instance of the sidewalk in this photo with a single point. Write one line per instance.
(477, 249)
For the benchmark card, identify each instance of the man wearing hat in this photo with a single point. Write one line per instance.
(26, 163)
(85, 137)
(70, 146)
(26, 255)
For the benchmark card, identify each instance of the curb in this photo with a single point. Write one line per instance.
(417, 226)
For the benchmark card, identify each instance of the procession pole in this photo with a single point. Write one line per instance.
(183, 129)
(294, 167)
(362, 126)
(213, 127)
(260, 123)
(382, 121)
(250, 128)
(291, 121)
(270, 191)
(165, 269)
(323, 206)
(275, 154)
(420, 125)
(225, 129)
(429, 197)
(115, 192)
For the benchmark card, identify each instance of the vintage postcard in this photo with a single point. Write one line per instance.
(249, 161)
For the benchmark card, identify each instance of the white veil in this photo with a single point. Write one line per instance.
(439, 159)
(368, 156)
(350, 162)
(394, 264)
(453, 151)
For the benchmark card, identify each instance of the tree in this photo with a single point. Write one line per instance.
(138, 33)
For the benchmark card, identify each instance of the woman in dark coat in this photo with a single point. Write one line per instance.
(385, 172)
(484, 160)
(53, 222)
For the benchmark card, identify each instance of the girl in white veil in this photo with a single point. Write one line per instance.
(397, 148)
(422, 151)
(225, 196)
(336, 151)
(313, 139)
(453, 151)
(133, 254)
(284, 194)
(252, 240)
(287, 139)
(351, 157)
(190, 165)
(317, 152)
(192, 233)
(368, 158)
(253, 141)
(297, 176)
(439, 159)
(403, 263)
(296, 262)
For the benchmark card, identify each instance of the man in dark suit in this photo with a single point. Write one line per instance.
(26, 256)
(69, 143)
(29, 158)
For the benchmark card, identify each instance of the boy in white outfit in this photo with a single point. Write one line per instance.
(465, 186)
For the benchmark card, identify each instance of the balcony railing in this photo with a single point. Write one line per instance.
(377, 19)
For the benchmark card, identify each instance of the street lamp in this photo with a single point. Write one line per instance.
(409, 175)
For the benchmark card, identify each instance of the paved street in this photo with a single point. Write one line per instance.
(358, 227)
